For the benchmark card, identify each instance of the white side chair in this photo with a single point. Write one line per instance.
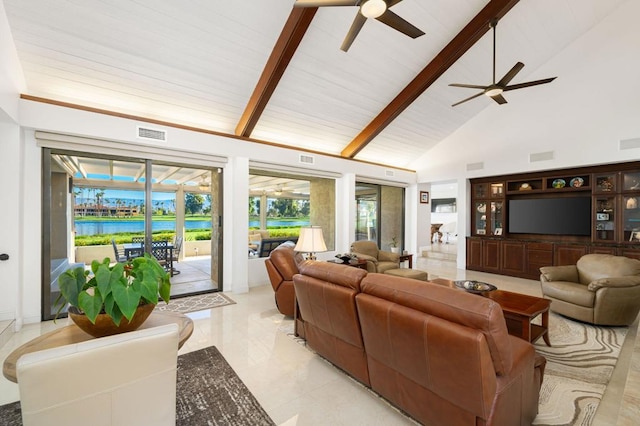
(126, 379)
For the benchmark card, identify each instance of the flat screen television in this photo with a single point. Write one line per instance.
(557, 216)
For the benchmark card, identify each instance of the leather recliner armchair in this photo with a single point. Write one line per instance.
(282, 265)
(377, 260)
(600, 289)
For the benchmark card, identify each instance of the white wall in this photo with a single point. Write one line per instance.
(581, 116)
(10, 241)
(11, 83)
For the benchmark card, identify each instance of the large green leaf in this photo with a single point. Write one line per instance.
(106, 277)
(91, 304)
(165, 289)
(112, 309)
(147, 287)
(126, 297)
(71, 283)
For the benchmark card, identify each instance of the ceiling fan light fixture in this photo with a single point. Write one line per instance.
(494, 91)
(373, 8)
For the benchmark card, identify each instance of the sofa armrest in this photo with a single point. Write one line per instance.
(559, 273)
(387, 256)
(365, 257)
(614, 282)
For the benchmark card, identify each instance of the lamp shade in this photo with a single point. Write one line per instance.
(311, 240)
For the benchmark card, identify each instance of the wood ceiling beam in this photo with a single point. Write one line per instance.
(284, 49)
(453, 51)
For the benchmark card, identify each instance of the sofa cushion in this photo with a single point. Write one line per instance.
(451, 305)
(576, 293)
(592, 267)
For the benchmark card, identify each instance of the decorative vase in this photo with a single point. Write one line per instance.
(395, 250)
(105, 326)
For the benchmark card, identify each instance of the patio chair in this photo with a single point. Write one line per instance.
(160, 250)
(177, 246)
(120, 258)
(176, 249)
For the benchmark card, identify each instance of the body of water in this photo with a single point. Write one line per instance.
(116, 226)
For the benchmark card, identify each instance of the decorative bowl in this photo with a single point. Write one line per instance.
(576, 182)
(475, 287)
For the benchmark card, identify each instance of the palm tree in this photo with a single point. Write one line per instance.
(76, 194)
(99, 195)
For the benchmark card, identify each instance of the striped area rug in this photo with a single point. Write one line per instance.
(579, 366)
(199, 302)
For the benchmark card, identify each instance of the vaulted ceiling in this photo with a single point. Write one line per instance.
(267, 71)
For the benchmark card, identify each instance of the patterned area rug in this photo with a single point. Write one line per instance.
(200, 302)
(209, 392)
(579, 366)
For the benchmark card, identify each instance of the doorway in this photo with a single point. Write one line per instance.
(380, 215)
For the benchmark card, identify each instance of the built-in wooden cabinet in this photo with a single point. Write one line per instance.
(614, 194)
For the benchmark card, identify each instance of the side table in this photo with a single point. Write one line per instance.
(407, 257)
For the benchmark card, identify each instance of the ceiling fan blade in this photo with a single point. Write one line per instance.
(321, 3)
(468, 99)
(499, 99)
(394, 21)
(356, 26)
(391, 3)
(468, 86)
(509, 76)
(529, 84)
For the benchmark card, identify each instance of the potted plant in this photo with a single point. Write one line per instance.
(113, 299)
(394, 245)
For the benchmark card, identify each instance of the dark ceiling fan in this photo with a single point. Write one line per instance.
(377, 9)
(495, 90)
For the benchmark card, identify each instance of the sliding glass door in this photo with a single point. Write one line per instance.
(380, 214)
(98, 206)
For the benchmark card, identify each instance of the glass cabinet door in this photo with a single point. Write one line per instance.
(605, 183)
(631, 219)
(497, 190)
(480, 190)
(481, 218)
(604, 218)
(496, 217)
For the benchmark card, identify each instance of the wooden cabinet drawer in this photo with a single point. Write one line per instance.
(539, 256)
(540, 246)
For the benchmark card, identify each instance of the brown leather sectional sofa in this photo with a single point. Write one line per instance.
(439, 354)
(282, 265)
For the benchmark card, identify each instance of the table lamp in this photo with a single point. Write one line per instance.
(311, 241)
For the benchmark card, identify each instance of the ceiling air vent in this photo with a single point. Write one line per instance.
(475, 166)
(307, 159)
(630, 143)
(541, 156)
(151, 134)
(389, 173)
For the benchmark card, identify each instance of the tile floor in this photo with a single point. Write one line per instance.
(297, 387)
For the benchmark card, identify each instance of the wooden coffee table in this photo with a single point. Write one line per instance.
(519, 310)
(71, 334)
